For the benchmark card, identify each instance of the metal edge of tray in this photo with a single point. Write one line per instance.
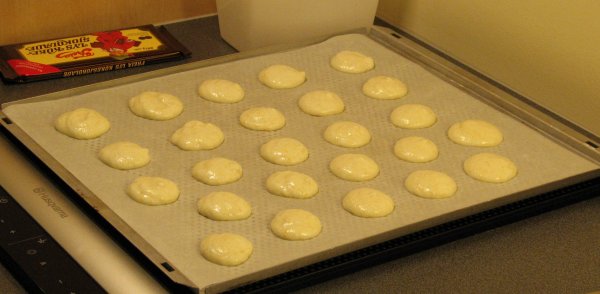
(555, 195)
(491, 92)
(68, 194)
(459, 75)
(175, 69)
(423, 239)
(82, 191)
(96, 204)
(447, 71)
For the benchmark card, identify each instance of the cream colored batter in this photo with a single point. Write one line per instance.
(226, 249)
(221, 91)
(224, 206)
(416, 149)
(430, 184)
(347, 134)
(292, 184)
(82, 124)
(197, 135)
(153, 190)
(354, 167)
(217, 171)
(413, 116)
(284, 151)
(155, 105)
(368, 202)
(351, 62)
(124, 155)
(490, 167)
(281, 76)
(296, 224)
(475, 133)
(385, 88)
(262, 119)
(321, 103)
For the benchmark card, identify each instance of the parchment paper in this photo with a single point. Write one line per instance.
(175, 230)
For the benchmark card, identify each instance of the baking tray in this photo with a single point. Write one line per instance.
(169, 236)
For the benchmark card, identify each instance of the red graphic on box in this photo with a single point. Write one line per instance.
(86, 52)
(114, 43)
(28, 68)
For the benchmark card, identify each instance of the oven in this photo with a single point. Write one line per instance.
(60, 233)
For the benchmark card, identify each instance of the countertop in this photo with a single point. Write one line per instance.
(554, 252)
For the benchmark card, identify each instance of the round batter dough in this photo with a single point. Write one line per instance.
(281, 77)
(292, 184)
(221, 91)
(296, 224)
(284, 151)
(413, 116)
(351, 62)
(82, 124)
(197, 135)
(415, 149)
(321, 103)
(385, 88)
(124, 155)
(490, 167)
(153, 190)
(226, 249)
(347, 134)
(217, 171)
(475, 133)
(354, 167)
(367, 202)
(430, 184)
(262, 119)
(224, 206)
(155, 105)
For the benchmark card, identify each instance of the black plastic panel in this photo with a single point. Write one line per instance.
(36, 260)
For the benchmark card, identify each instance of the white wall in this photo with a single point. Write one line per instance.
(546, 50)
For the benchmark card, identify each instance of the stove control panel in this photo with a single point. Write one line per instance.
(35, 259)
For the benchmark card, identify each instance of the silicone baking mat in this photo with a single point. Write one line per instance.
(174, 231)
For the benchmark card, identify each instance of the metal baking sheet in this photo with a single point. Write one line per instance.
(173, 232)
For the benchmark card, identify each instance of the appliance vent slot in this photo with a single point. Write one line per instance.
(592, 144)
(167, 266)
